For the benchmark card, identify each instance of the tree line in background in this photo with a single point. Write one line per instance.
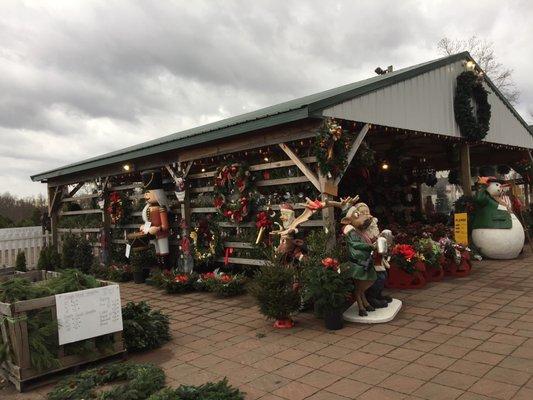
(16, 212)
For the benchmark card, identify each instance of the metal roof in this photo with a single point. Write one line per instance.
(301, 108)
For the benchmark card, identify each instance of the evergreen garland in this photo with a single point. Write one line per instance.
(331, 146)
(472, 127)
(141, 381)
(210, 391)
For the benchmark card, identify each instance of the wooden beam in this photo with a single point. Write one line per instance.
(188, 168)
(73, 191)
(353, 150)
(172, 173)
(301, 166)
(465, 169)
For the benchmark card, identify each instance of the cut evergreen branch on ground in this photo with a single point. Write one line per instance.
(141, 381)
(144, 328)
(210, 391)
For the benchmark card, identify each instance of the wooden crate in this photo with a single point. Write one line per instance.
(14, 329)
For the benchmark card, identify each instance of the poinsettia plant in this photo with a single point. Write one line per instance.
(204, 281)
(406, 257)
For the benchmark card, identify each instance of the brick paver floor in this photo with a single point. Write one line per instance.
(465, 338)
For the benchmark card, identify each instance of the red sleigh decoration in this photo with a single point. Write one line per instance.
(399, 279)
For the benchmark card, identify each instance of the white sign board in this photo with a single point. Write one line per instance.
(88, 313)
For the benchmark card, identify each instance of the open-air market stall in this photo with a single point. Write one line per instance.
(393, 130)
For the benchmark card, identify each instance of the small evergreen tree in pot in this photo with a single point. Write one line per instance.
(49, 259)
(277, 293)
(20, 262)
(77, 253)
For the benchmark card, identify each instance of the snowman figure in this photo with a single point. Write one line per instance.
(496, 231)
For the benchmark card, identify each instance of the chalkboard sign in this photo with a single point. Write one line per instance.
(88, 313)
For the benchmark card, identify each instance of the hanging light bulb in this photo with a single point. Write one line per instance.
(384, 166)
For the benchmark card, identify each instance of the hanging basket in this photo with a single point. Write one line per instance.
(399, 279)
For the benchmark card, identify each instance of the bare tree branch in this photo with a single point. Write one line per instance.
(483, 52)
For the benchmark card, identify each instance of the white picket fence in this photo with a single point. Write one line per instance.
(28, 239)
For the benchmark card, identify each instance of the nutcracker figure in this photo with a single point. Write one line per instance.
(155, 215)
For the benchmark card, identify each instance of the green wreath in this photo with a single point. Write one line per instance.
(331, 146)
(232, 191)
(472, 127)
(142, 380)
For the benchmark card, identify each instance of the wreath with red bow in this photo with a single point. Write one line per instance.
(115, 209)
(232, 192)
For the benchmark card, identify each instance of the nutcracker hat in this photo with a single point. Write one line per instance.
(152, 179)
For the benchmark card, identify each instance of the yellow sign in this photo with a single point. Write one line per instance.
(461, 228)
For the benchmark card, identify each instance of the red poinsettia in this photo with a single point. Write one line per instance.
(182, 278)
(331, 263)
(208, 275)
(405, 250)
(226, 278)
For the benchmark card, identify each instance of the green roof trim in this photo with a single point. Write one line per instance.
(294, 110)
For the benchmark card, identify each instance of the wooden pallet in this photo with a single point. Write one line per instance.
(14, 330)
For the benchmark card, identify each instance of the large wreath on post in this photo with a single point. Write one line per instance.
(232, 191)
(331, 146)
(470, 86)
(116, 207)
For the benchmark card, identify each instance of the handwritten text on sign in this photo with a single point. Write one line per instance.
(88, 313)
(461, 228)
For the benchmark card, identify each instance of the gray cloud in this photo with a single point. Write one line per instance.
(79, 79)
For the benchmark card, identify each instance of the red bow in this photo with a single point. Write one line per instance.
(329, 262)
(263, 221)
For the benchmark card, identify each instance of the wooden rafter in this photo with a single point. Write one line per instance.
(353, 150)
(56, 199)
(302, 166)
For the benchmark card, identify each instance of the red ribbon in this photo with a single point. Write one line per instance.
(227, 255)
(263, 220)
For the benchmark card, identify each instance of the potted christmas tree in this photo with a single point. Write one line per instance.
(329, 285)
(277, 293)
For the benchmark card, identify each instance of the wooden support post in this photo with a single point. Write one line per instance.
(54, 199)
(328, 215)
(105, 250)
(302, 166)
(465, 169)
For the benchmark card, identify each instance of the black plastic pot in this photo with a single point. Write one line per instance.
(333, 320)
(139, 277)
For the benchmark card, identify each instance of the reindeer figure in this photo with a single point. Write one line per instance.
(289, 247)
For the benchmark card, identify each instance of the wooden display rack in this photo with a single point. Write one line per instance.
(14, 330)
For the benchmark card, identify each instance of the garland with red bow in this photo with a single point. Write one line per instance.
(331, 148)
(232, 192)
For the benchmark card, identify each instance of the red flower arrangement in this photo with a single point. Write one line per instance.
(405, 257)
(331, 263)
(182, 278)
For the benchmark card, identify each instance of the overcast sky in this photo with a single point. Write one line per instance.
(78, 79)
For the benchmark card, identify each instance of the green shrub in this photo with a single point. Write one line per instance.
(77, 253)
(144, 328)
(49, 259)
(20, 262)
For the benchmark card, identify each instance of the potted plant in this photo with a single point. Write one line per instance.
(406, 268)
(432, 253)
(329, 285)
(455, 258)
(137, 268)
(277, 293)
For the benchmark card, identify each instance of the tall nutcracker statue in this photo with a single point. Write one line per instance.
(155, 215)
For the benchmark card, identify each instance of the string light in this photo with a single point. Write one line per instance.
(126, 167)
